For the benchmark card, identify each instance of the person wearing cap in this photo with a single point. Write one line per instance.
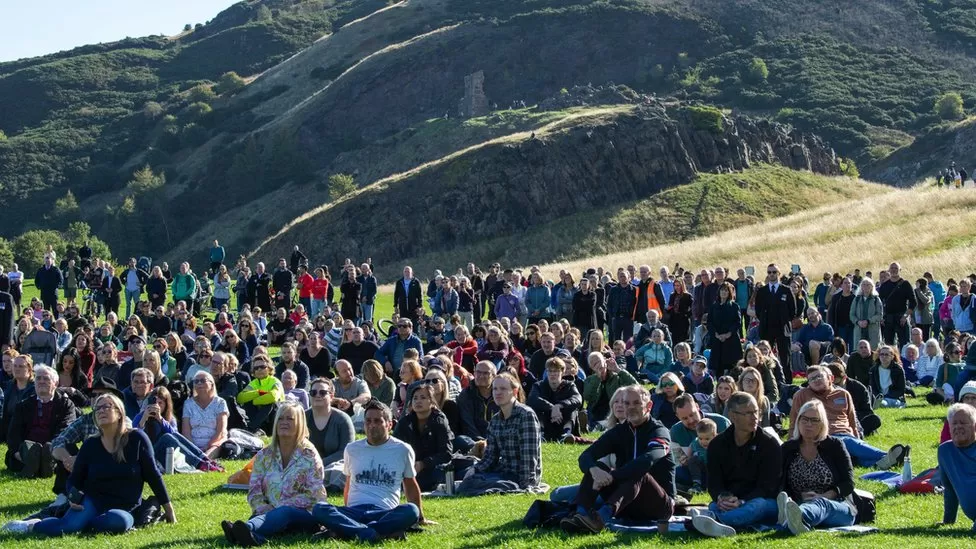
(957, 462)
(556, 401)
(699, 380)
(137, 346)
(507, 304)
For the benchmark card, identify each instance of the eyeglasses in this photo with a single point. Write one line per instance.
(666, 384)
(201, 381)
(432, 381)
(810, 420)
(817, 377)
(103, 407)
(320, 393)
(403, 325)
(256, 367)
(753, 413)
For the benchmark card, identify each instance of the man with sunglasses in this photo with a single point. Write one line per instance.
(390, 355)
(775, 310)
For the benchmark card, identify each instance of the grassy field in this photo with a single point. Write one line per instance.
(495, 521)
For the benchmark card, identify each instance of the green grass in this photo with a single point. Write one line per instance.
(495, 521)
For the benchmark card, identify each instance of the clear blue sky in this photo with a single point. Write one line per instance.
(37, 27)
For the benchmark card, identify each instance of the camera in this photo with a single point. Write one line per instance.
(151, 400)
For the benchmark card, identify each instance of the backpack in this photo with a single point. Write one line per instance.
(240, 444)
(547, 514)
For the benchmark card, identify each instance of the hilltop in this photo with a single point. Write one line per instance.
(371, 89)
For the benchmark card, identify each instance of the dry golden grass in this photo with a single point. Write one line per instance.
(924, 229)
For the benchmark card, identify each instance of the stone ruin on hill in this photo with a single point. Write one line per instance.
(474, 103)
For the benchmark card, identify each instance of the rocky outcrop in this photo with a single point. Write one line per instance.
(633, 153)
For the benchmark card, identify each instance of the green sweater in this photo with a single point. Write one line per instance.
(592, 385)
(272, 388)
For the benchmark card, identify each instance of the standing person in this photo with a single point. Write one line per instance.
(584, 307)
(156, 288)
(839, 312)
(649, 295)
(679, 312)
(320, 293)
(898, 297)
(133, 280)
(113, 291)
(640, 486)
(817, 475)
(957, 462)
(305, 285)
(925, 309)
(775, 310)
(283, 280)
(217, 256)
(743, 296)
(744, 473)
(962, 306)
(621, 302)
(390, 354)
(184, 286)
(351, 296)
(724, 320)
(259, 288)
(72, 278)
(938, 296)
(297, 258)
(867, 314)
(537, 299)
(107, 506)
(286, 483)
(408, 297)
(375, 468)
(48, 279)
(16, 278)
(368, 291)
(507, 304)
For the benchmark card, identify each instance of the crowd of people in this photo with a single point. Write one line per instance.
(677, 385)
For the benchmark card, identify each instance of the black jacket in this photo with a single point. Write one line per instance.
(433, 447)
(407, 302)
(48, 280)
(750, 471)
(861, 397)
(640, 310)
(543, 398)
(156, 286)
(64, 413)
(6, 319)
(897, 388)
(584, 310)
(724, 318)
(834, 454)
(775, 312)
(621, 301)
(475, 412)
(646, 449)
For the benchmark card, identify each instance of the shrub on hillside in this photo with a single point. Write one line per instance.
(758, 71)
(949, 106)
(230, 83)
(705, 118)
(849, 168)
(201, 93)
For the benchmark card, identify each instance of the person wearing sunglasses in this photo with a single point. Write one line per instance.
(328, 430)
(261, 396)
(775, 310)
(390, 354)
(205, 416)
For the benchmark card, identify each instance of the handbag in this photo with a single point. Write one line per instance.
(865, 505)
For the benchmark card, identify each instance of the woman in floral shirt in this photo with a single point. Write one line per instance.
(285, 483)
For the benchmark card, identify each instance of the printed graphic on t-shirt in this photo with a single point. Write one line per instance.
(378, 474)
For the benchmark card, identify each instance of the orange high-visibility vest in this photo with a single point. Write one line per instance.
(652, 303)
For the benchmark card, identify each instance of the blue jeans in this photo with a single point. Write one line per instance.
(652, 376)
(318, 305)
(862, 453)
(753, 512)
(113, 521)
(130, 297)
(565, 494)
(279, 520)
(826, 513)
(177, 441)
(307, 303)
(366, 522)
(367, 312)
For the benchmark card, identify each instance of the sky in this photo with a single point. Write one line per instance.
(36, 27)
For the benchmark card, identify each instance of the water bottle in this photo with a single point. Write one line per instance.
(906, 470)
(448, 478)
(169, 461)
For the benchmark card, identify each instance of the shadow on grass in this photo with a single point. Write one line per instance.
(934, 530)
(919, 418)
(208, 541)
(21, 510)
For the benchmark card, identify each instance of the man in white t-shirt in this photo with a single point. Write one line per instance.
(375, 467)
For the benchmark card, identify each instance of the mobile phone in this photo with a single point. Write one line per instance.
(794, 268)
(750, 270)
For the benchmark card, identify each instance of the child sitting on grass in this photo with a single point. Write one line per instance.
(698, 461)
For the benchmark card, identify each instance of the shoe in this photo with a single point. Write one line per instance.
(794, 519)
(567, 438)
(905, 455)
(228, 528)
(571, 524)
(30, 455)
(46, 468)
(781, 500)
(592, 522)
(395, 536)
(890, 459)
(700, 511)
(243, 535)
(324, 535)
(712, 528)
(20, 526)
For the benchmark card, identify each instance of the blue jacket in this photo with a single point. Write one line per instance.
(808, 333)
(538, 300)
(938, 293)
(387, 353)
(820, 296)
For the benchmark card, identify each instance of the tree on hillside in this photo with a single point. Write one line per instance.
(230, 83)
(78, 233)
(6, 253)
(3, 136)
(196, 111)
(263, 13)
(187, 27)
(201, 93)
(152, 110)
(148, 194)
(758, 71)
(949, 106)
(247, 169)
(340, 185)
(29, 249)
(65, 210)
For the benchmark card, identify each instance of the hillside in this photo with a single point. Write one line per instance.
(923, 228)
(929, 154)
(604, 157)
(357, 87)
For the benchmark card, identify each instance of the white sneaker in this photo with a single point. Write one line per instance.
(711, 527)
(20, 526)
(700, 512)
(781, 500)
(794, 519)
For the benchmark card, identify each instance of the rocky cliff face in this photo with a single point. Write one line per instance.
(637, 150)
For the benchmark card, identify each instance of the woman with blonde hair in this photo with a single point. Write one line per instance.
(668, 388)
(817, 475)
(750, 381)
(205, 415)
(119, 452)
(380, 385)
(285, 483)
